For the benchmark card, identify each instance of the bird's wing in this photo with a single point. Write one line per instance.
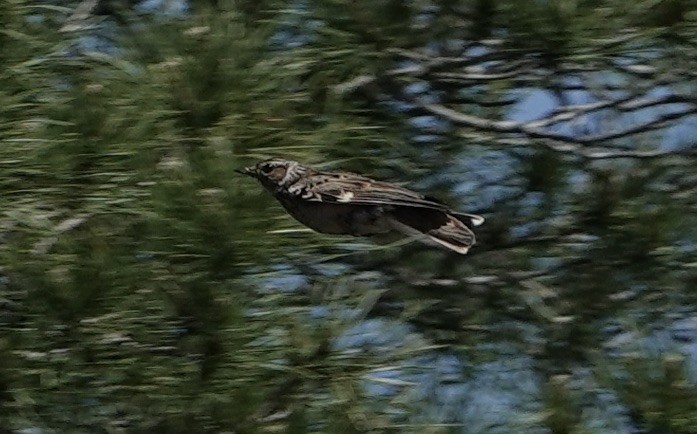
(359, 190)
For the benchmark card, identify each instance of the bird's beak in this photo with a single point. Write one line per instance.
(249, 171)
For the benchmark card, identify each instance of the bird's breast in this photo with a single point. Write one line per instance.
(334, 218)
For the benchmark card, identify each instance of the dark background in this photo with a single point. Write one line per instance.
(146, 287)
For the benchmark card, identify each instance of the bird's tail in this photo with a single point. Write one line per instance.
(454, 235)
(471, 220)
(438, 227)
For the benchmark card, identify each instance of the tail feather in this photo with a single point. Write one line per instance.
(454, 234)
(445, 229)
(471, 220)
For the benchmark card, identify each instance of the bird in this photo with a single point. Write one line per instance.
(351, 204)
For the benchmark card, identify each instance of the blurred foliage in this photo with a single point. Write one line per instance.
(144, 287)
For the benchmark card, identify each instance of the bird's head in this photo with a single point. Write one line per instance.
(275, 173)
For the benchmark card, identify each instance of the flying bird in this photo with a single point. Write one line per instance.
(351, 204)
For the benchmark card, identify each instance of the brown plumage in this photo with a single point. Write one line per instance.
(351, 204)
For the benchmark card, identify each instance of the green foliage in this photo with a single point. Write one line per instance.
(144, 287)
(658, 392)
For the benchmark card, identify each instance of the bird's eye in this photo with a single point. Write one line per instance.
(266, 168)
